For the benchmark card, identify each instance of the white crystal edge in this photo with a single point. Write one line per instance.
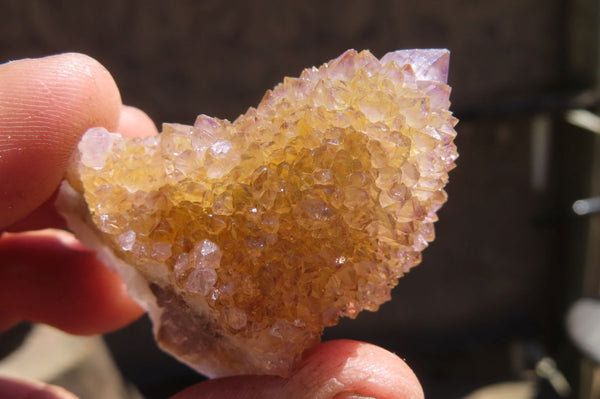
(70, 204)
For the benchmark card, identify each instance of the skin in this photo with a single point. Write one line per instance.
(46, 276)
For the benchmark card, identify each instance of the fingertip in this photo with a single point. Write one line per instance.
(135, 123)
(15, 389)
(48, 277)
(87, 88)
(334, 369)
(46, 104)
(346, 367)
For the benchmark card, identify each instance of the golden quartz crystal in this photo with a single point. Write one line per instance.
(245, 239)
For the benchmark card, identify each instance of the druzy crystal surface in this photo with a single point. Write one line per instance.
(245, 239)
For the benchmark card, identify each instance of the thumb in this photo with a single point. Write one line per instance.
(45, 106)
(335, 369)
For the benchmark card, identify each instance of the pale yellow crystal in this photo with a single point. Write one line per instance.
(255, 235)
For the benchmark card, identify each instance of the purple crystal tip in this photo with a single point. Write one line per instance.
(428, 64)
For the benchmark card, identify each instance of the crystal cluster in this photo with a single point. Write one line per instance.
(245, 239)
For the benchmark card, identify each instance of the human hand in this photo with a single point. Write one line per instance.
(48, 277)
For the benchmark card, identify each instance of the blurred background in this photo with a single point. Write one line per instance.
(484, 314)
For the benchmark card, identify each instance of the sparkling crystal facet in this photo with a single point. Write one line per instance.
(245, 239)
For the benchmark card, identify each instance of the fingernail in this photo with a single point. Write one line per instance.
(345, 395)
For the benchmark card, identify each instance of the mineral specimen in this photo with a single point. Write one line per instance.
(245, 239)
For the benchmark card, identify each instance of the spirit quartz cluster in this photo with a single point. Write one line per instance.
(245, 239)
